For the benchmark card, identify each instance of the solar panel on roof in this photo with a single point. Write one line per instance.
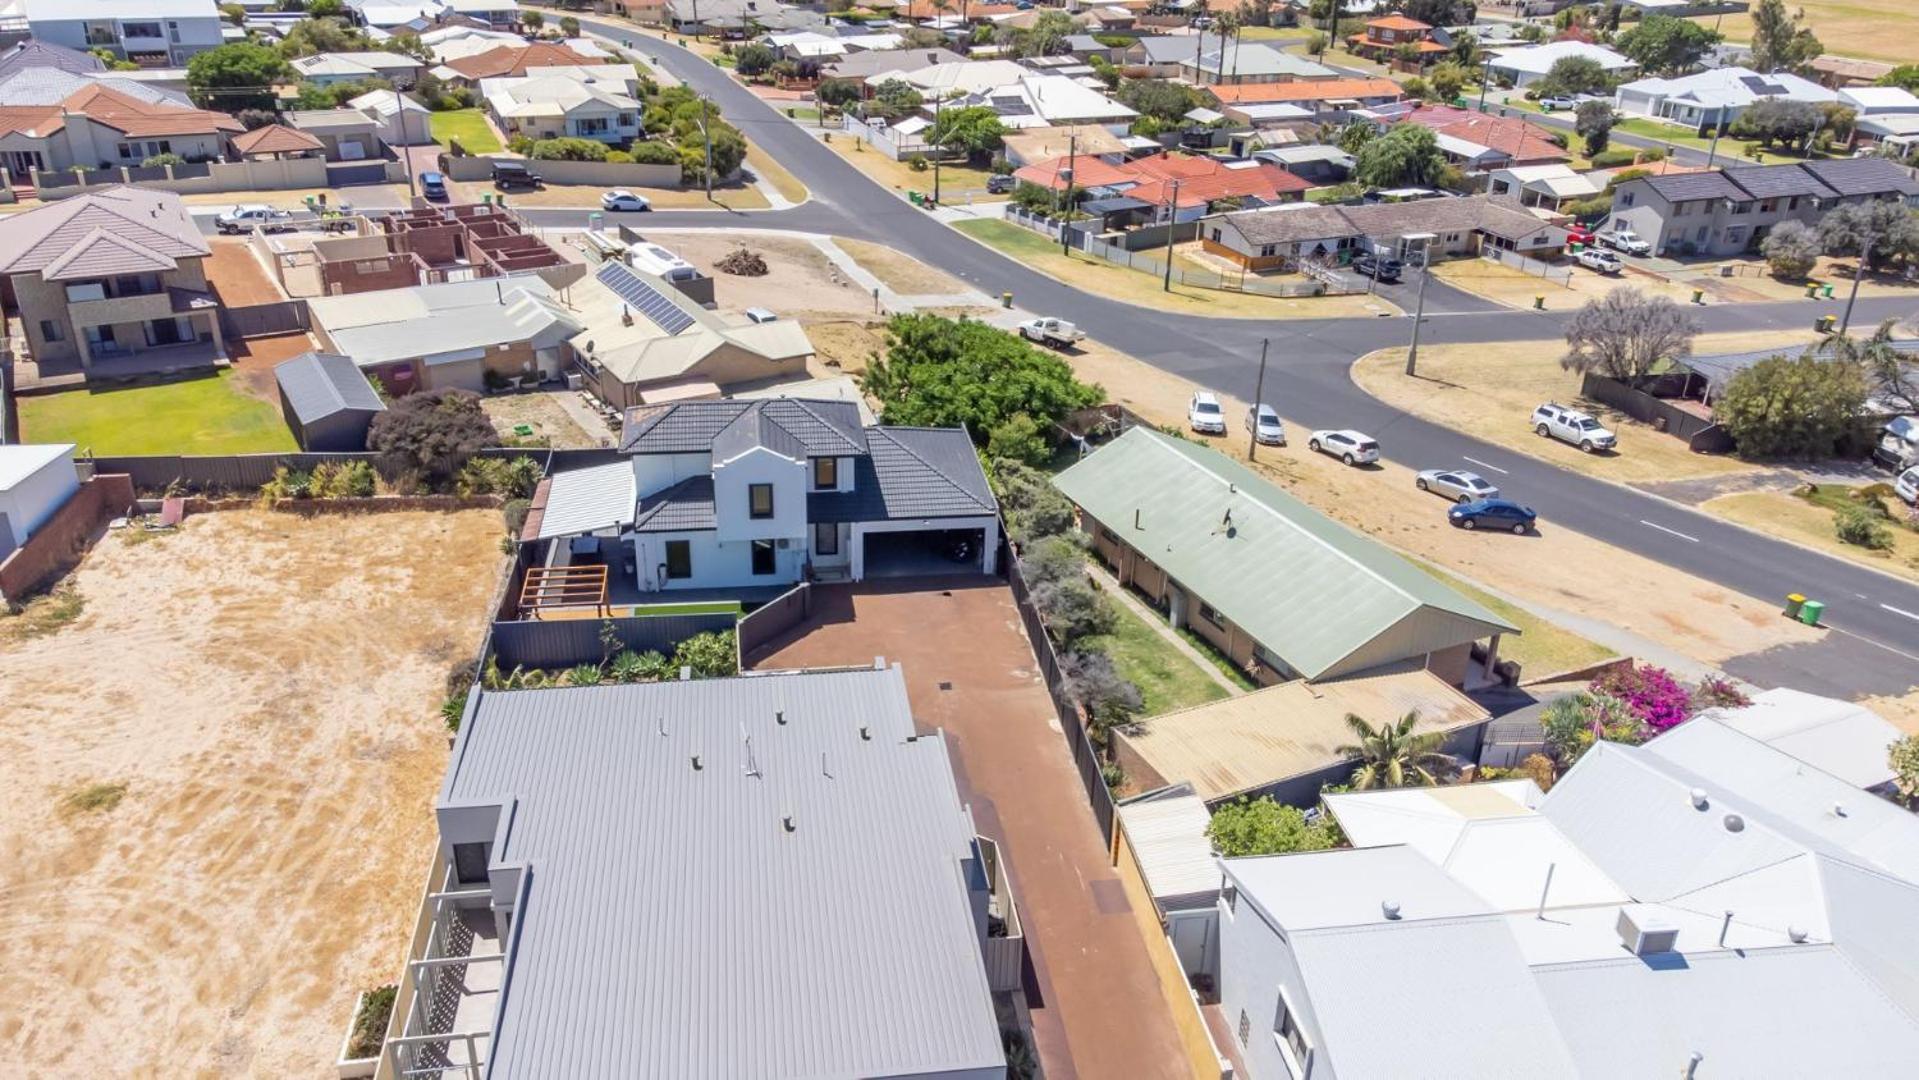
(644, 298)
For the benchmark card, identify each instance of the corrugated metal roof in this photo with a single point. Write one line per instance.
(1168, 836)
(434, 320)
(1844, 739)
(673, 927)
(584, 500)
(1309, 589)
(21, 460)
(318, 384)
(910, 473)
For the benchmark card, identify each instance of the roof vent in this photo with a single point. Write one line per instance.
(696, 763)
(787, 823)
(1838, 809)
(1644, 932)
(866, 733)
(1390, 908)
(1797, 934)
(1735, 823)
(1699, 800)
(779, 717)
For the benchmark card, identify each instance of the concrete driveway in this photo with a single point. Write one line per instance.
(970, 671)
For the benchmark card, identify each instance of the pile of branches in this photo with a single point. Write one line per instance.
(742, 262)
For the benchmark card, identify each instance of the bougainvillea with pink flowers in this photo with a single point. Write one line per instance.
(1650, 692)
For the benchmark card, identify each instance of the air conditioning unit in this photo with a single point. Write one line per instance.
(784, 544)
(1643, 931)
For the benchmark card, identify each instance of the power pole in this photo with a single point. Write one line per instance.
(1485, 79)
(1865, 253)
(1072, 151)
(1419, 308)
(406, 147)
(1259, 395)
(1718, 124)
(937, 103)
(708, 137)
(1172, 218)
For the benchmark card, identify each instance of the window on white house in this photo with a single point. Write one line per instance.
(759, 499)
(826, 473)
(1294, 1046)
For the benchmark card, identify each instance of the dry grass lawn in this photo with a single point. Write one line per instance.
(1827, 271)
(1517, 288)
(800, 279)
(1868, 29)
(844, 346)
(901, 273)
(1780, 514)
(541, 411)
(958, 183)
(735, 196)
(1491, 393)
(216, 785)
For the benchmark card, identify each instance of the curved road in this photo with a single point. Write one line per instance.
(1876, 650)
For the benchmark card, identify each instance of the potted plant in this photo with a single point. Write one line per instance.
(366, 1034)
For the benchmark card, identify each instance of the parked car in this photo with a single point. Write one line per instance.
(1627, 241)
(1456, 484)
(1556, 421)
(1347, 445)
(622, 199)
(1907, 486)
(1493, 514)
(760, 315)
(1001, 185)
(1556, 102)
(1267, 428)
(1380, 269)
(1579, 234)
(508, 175)
(1050, 331)
(255, 216)
(432, 186)
(1604, 262)
(1204, 415)
(1898, 446)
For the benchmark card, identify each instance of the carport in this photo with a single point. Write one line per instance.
(923, 547)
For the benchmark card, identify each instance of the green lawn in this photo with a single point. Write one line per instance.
(209, 415)
(711, 607)
(467, 126)
(1167, 680)
(1541, 648)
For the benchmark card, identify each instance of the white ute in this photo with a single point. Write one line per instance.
(1050, 331)
(1627, 241)
(1553, 420)
(246, 218)
(1604, 262)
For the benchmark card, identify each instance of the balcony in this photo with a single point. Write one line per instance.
(442, 1027)
(145, 307)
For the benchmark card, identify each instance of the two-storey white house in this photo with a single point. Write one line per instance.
(151, 33)
(742, 494)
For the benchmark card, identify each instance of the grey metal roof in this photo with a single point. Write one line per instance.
(581, 501)
(318, 384)
(1777, 181)
(1323, 598)
(672, 926)
(1687, 187)
(1863, 176)
(685, 507)
(1720, 368)
(910, 473)
(820, 427)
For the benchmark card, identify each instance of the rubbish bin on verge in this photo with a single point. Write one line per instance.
(1810, 611)
(1794, 602)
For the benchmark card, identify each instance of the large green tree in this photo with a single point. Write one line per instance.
(1264, 827)
(1780, 40)
(1889, 370)
(1892, 228)
(1408, 154)
(1394, 755)
(1593, 122)
(1160, 99)
(1664, 45)
(1792, 407)
(974, 131)
(1776, 120)
(940, 372)
(237, 76)
(1574, 75)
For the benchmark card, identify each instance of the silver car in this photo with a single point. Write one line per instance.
(1267, 428)
(1456, 484)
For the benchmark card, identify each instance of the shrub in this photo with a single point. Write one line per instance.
(1649, 692)
(1018, 438)
(649, 152)
(1110, 699)
(1053, 559)
(1264, 827)
(1571, 724)
(1861, 527)
(162, 159)
(1612, 159)
(1716, 692)
(585, 675)
(452, 711)
(568, 150)
(431, 431)
(513, 513)
(649, 666)
(618, 157)
(710, 655)
(1903, 757)
(343, 480)
(916, 162)
(369, 1027)
(287, 484)
(1071, 610)
(1034, 507)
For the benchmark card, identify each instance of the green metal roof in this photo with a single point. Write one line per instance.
(1321, 597)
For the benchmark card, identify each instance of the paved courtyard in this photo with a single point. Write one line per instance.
(970, 671)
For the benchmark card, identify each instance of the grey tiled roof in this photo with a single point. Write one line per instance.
(1688, 187)
(910, 473)
(754, 428)
(1863, 176)
(1777, 181)
(318, 384)
(685, 507)
(690, 427)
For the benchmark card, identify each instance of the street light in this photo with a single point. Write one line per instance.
(1172, 218)
(1419, 308)
(1865, 253)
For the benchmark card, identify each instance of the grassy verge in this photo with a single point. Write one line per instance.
(1226, 667)
(767, 168)
(1115, 282)
(958, 182)
(210, 415)
(468, 127)
(1809, 520)
(1541, 648)
(1167, 680)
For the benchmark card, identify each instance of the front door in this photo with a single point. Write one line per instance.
(164, 332)
(763, 555)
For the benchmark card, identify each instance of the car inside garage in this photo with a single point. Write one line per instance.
(923, 552)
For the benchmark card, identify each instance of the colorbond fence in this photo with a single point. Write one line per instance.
(1085, 757)
(565, 643)
(245, 471)
(772, 619)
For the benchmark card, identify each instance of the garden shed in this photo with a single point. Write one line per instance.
(327, 402)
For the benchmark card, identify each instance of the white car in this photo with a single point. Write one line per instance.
(1347, 445)
(1907, 486)
(254, 215)
(1456, 484)
(1627, 241)
(1204, 415)
(1555, 421)
(622, 199)
(1555, 102)
(1605, 262)
(1266, 426)
(1048, 330)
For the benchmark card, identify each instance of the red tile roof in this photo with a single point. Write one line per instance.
(121, 112)
(509, 60)
(275, 139)
(1397, 22)
(1517, 139)
(1201, 179)
(1087, 172)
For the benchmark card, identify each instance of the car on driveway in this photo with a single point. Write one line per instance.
(255, 216)
(1267, 428)
(1556, 103)
(1456, 484)
(433, 186)
(1907, 486)
(1351, 447)
(1493, 514)
(1204, 415)
(1555, 421)
(508, 175)
(622, 199)
(1604, 262)
(1627, 241)
(1001, 185)
(1379, 269)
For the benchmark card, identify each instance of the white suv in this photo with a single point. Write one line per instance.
(1348, 446)
(1570, 425)
(1204, 415)
(1908, 485)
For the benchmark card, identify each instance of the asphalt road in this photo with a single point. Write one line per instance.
(1875, 615)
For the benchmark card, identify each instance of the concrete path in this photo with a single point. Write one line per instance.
(889, 299)
(1158, 625)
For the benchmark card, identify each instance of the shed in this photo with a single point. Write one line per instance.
(35, 481)
(327, 402)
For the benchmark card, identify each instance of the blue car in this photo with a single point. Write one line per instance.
(433, 185)
(1493, 514)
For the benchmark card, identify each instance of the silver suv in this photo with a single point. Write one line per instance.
(1553, 420)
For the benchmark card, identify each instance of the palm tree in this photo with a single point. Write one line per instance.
(1391, 756)
(1227, 23)
(1889, 369)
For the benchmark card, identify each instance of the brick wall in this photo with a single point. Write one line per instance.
(57, 546)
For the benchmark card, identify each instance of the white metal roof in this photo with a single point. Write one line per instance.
(1168, 835)
(1539, 59)
(581, 501)
(19, 461)
(1839, 737)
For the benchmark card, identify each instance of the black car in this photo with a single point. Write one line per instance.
(1387, 270)
(508, 175)
(1000, 185)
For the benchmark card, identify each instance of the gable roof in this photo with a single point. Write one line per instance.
(131, 115)
(445, 321)
(154, 222)
(1308, 90)
(506, 60)
(685, 507)
(909, 473)
(816, 428)
(1842, 738)
(275, 139)
(318, 384)
(34, 53)
(1863, 176)
(1277, 558)
(100, 253)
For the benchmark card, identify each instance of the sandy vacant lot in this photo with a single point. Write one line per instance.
(265, 688)
(800, 280)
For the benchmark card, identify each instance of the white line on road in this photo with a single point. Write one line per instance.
(1483, 465)
(1900, 611)
(1663, 529)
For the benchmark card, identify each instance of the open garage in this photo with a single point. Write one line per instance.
(961, 545)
